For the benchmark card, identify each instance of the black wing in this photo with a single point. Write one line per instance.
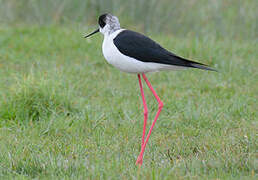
(144, 49)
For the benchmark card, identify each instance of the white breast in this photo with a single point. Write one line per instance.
(126, 63)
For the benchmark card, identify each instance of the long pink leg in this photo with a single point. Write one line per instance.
(145, 112)
(139, 159)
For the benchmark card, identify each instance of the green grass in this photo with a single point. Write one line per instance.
(66, 114)
(220, 18)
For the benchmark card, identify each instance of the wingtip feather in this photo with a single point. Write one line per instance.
(202, 66)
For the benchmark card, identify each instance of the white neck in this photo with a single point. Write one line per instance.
(107, 30)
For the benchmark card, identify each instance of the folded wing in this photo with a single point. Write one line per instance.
(144, 49)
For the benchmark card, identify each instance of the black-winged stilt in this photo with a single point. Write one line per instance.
(132, 52)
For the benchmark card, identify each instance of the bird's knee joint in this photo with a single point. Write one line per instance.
(161, 105)
(145, 113)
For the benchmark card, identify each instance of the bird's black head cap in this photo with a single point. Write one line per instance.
(107, 24)
(102, 20)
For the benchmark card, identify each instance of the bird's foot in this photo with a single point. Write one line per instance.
(139, 161)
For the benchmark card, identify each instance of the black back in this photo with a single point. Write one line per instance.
(144, 49)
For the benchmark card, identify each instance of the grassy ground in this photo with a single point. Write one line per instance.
(66, 114)
(222, 18)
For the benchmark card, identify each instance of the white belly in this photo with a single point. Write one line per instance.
(126, 63)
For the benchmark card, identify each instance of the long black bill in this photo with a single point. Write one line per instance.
(91, 33)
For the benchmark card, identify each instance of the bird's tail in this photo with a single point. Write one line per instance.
(188, 63)
(201, 66)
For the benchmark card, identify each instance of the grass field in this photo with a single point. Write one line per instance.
(222, 18)
(66, 114)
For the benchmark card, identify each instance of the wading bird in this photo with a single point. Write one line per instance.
(133, 52)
